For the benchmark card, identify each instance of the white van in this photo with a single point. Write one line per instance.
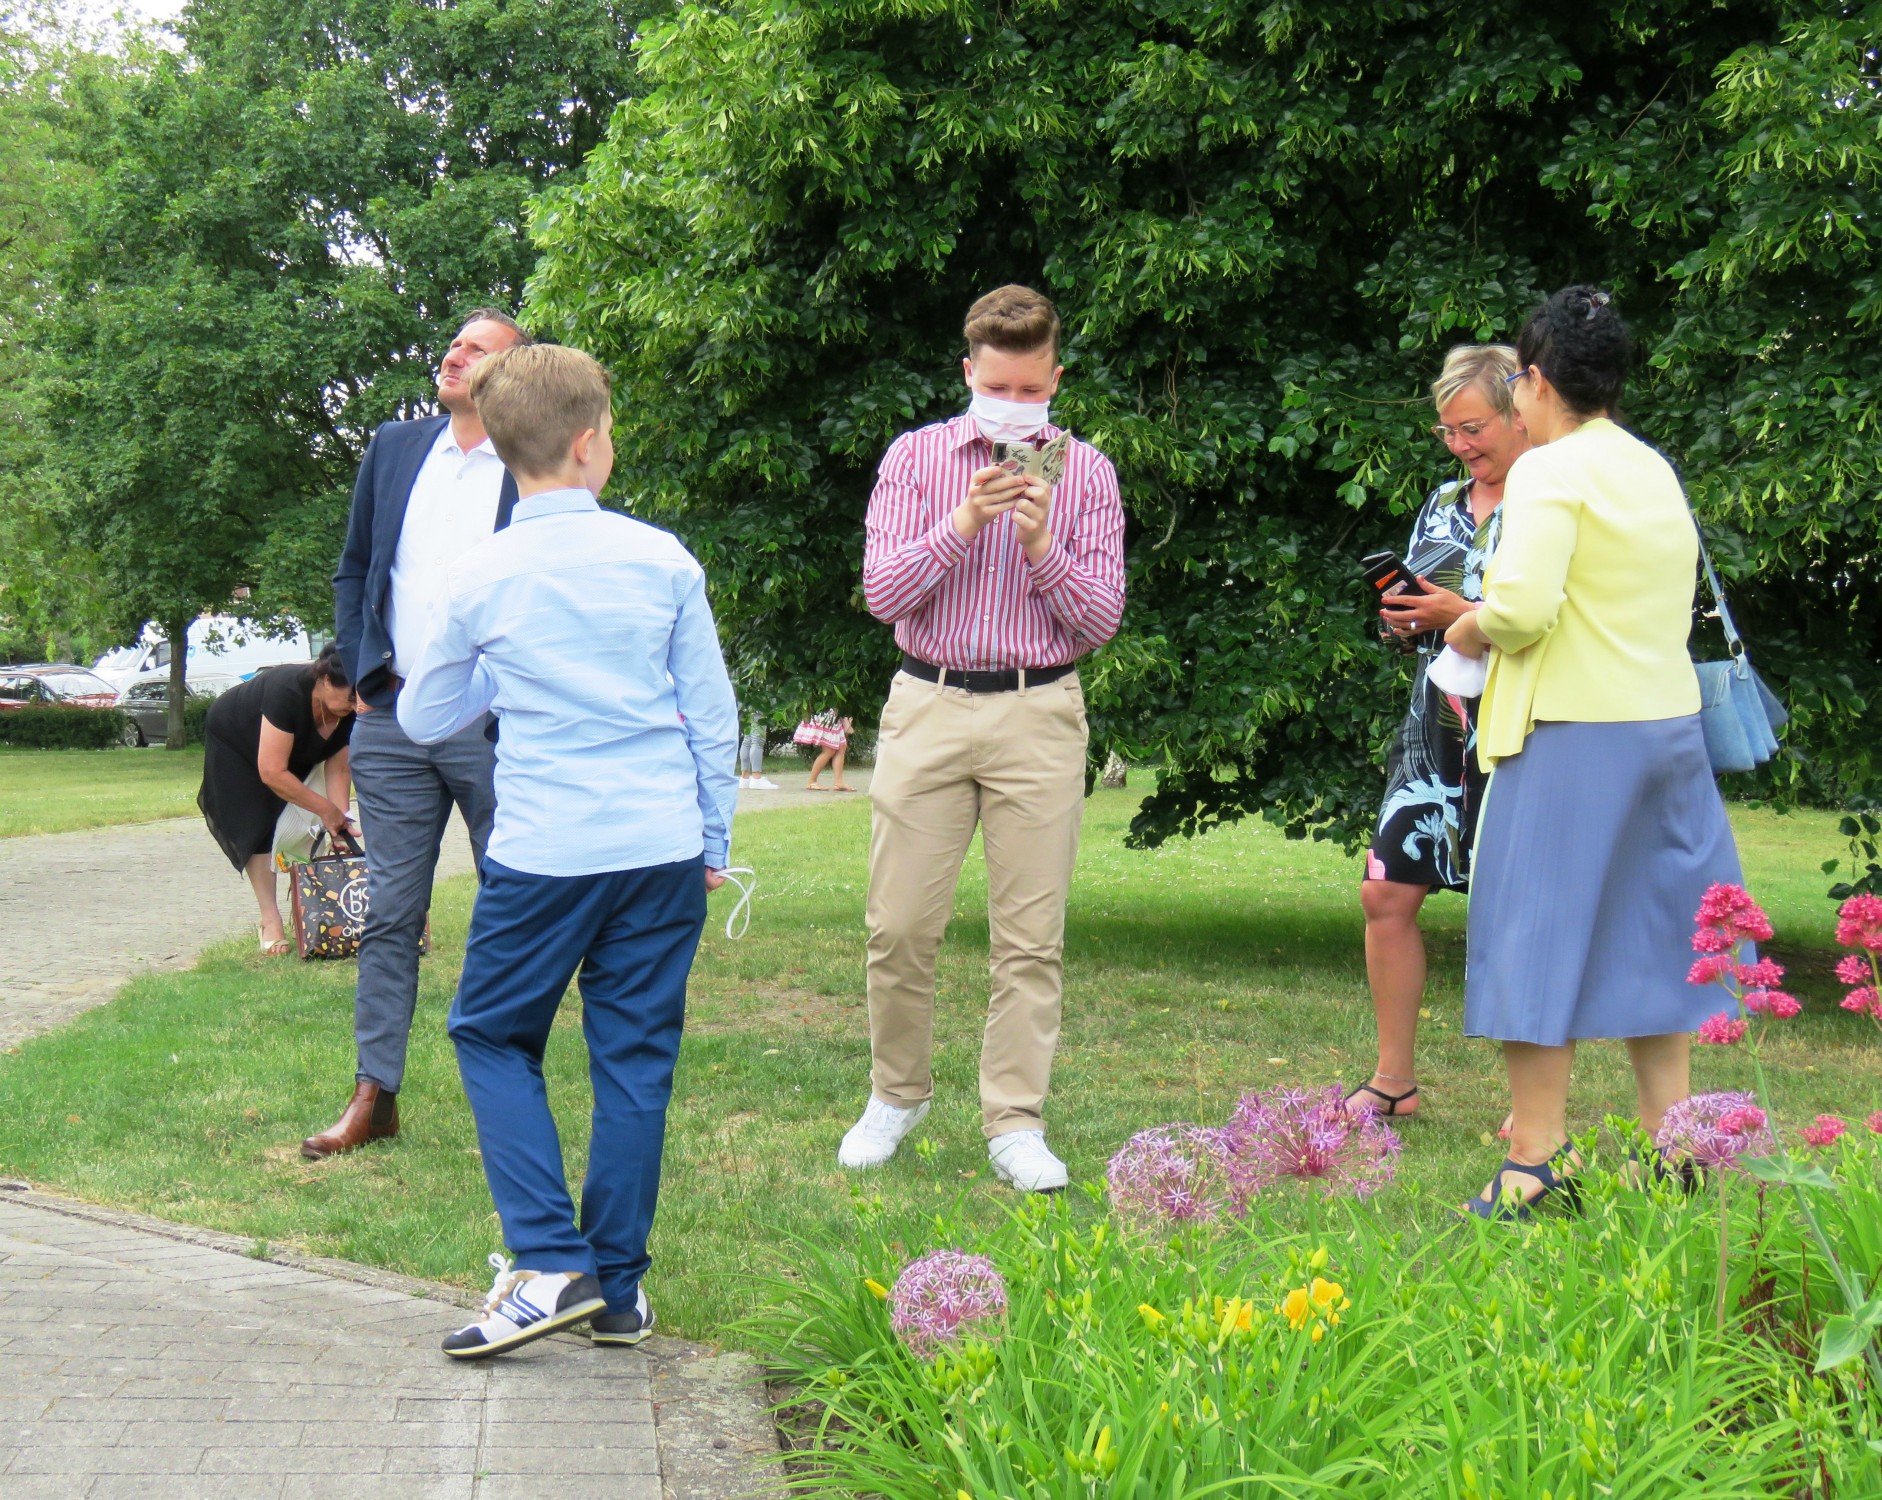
(217, 643)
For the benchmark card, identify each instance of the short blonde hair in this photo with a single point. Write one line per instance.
(1014, 320)
(1486, 366)
(535, 400)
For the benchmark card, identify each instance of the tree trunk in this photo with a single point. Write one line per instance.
(1115, 771)
(179, 633)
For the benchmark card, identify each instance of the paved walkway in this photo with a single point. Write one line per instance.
(81, 913)
(136, 1364)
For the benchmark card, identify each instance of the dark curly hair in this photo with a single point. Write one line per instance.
(327, 667)
(1579, 342)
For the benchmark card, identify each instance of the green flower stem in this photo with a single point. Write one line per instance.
(1852, 1294)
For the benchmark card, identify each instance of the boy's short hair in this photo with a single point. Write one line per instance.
(1014, 320)
(535, 400)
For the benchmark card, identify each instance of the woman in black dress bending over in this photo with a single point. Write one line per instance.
(261, 742)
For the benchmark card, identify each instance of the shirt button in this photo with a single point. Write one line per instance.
(985, 618)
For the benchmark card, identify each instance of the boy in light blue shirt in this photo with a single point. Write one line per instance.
(588, 634)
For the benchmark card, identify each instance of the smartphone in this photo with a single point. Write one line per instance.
(1390, 575)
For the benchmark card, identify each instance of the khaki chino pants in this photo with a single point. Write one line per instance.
(946, 761)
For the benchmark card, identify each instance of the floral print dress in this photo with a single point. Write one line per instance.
(1433, 788)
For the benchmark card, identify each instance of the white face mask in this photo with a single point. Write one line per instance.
(1007, 421)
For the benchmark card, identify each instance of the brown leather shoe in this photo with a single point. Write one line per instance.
(372, 1115)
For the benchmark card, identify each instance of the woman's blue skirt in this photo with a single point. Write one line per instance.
(1594, 847)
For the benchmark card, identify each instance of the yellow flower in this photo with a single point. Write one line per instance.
(1319, 1332)
(881, 1293)
(1295, 1308)
(1325, 1293)
(1152, 1318)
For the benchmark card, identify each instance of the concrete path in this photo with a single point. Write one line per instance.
(138, 1364)
(81, 913)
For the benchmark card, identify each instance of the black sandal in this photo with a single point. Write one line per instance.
(1484, 1206)
(1392, 1101)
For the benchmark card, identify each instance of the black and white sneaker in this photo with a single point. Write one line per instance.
(624, 1329)
(524, 1306)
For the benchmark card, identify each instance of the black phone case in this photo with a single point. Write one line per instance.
(1390, 575)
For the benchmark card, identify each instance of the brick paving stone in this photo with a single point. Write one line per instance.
(238, 1417)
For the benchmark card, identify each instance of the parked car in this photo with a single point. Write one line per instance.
(147, 701)
(217, 643)
(54, 682)
(58, 682)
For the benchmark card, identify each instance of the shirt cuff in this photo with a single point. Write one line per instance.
(944, 543)
(718, 856)
(1052, 569)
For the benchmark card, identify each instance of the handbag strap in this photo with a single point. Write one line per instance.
(313, 849)
(1734, 643)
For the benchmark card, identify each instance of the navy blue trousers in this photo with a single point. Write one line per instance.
(633, 934)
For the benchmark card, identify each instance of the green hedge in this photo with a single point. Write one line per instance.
(196, 716)
(58, 727)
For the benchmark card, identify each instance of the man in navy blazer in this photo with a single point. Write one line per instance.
(427, 492)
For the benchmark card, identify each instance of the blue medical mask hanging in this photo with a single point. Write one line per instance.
(1007, 421)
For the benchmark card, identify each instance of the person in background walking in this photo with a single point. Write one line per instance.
(1433, 787)
(261, 743)
(427, 492)
(751, 757)
(1603, 826)
(996, 585)
(831, 736)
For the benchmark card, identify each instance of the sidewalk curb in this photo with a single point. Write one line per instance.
(712, 1414)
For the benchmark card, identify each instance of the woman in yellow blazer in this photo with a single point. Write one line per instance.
(1602, 826)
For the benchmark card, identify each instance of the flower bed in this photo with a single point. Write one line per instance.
(1703, 1327)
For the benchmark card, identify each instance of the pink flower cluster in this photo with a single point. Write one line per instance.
(1728, 916)
(1173, 1174)
(1859, 923)
(1824, 1130)
(1722, 1030)
(1713, 1131)
(1308, 1136)
(944, 1295)
(1773, 1003)
(1874, 1122)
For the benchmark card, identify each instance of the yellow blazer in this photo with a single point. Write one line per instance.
(1588, 600)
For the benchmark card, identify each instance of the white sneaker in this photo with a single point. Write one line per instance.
(763, 784)
(1022, 1158)
(872, 1140)
(524, 1306)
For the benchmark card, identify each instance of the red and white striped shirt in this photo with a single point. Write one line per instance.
(982, 604)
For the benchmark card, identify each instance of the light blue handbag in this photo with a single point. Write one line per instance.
(1739, 714)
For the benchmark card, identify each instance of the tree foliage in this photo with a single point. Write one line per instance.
(1264, 223)
(275, 236)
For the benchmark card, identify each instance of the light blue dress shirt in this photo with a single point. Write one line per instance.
(589, 635)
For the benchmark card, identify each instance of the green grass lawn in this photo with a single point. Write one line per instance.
(58, 791)
(1192, 972)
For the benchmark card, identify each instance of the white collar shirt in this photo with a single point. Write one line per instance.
(453, 507)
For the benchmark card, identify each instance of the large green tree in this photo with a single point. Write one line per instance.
(281, 229)
(1264, 223)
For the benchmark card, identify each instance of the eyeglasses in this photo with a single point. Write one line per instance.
(1445, 433)
(1512, 379)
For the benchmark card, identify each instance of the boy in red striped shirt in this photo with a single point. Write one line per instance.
(996, 583)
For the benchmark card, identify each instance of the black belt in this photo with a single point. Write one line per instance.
(1003, 680)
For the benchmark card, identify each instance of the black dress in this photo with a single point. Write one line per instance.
(236, 803)
(1433, 786)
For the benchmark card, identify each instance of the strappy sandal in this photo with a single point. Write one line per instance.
(1657, 1166)
(1490, 1204)
(279, 948)
(1390, 1102)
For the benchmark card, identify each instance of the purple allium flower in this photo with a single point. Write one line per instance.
(1713, 1130)
(1308, 1134)
(942, 1296)
(1172, 1174)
